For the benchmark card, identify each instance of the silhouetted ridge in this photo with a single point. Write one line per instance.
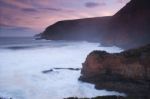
(129, 27)
(80, 29)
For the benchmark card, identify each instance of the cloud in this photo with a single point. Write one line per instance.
(12, 27)
(123, 1)
(57, 9)
(38, 14)
(5, 26)
(53, 9)
(94, 4)
(5, 4)
(29, 10)
(16, 3)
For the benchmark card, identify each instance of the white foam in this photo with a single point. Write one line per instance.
(21, 74)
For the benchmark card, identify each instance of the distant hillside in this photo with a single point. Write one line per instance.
(129, 27)
(80, 29)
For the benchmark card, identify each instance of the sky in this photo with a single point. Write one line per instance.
(30, 17)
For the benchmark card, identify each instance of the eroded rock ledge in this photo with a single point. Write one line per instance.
(128, 71)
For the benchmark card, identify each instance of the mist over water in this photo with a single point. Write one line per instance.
(23, 60)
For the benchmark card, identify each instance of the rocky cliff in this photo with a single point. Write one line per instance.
(128, 28)
(128, 71)
(131, 25)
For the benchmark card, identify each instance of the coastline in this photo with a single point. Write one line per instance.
(127, 72)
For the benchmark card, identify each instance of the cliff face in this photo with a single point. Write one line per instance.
(128, 71)
(129, 27)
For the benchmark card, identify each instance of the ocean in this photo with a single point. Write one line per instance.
(24, 60)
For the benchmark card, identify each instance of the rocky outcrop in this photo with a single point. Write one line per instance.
(111, 97)
(53, 69)
(128, 28)
(128, 71)
(131, 25)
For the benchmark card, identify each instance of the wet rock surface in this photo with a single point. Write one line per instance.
(51, 70)
(5, 98)
(128, 71)
(112, 97)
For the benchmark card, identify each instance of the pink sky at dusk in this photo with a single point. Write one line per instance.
(36, 15)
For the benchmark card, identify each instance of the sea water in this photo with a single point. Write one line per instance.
(22, 61)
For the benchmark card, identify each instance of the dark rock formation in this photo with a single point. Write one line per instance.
(110, 97)
(51, 70)
(76, 69)
(129, 27)
(47, 71)
(128, 71)
(5, 98)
